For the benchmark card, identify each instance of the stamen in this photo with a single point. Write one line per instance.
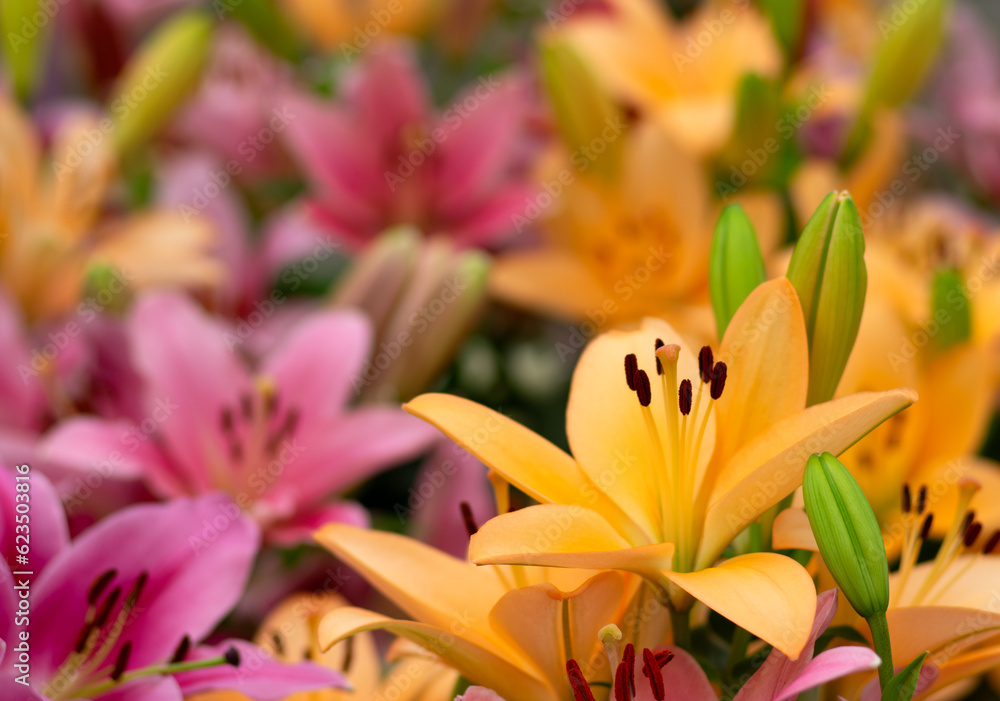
(625, 676)
(922, 500)
(232, 657)
(470, 523)
(348, 655)
(684, 397)
(970, 516)
(133, 595)
(659, 366)
(105, 610)
(906, 499)
(992, 543)
(182, 650)
(642, 387)
(246, 405)
(663, 657)
(705, 364)
(99, 585)
(81, 640)
(121, 661)
(651, 670)
(581, 690)
(972, 534)
(925, 530)
(226, 420)
(631, 367)
(718, 379)
(279, 646)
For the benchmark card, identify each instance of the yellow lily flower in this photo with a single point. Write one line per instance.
(289, 634)
(684, 74)
(506, 628)
(52, 232)
(665, 465)
(947, 606)
(637, 246)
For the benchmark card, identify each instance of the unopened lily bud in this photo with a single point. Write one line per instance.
(829, 275)
(158, 77)
(589, 122)
(105, 288)
(24, 43)
(736, 265)
(847, 534)
(950, 310)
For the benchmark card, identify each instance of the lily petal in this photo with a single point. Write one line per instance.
(479, 664)
(521, 456)
(770, 595)
(830, 665)
(792, 531)
(564, 536)
(771, 466)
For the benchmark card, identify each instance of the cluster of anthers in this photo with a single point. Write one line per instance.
(87, 672)
(624, 666)
(961, 539)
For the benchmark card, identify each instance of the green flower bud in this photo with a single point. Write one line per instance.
(585, 115)
(950, 310)
(787, 18)
(847, 533)
(105, 285)
(25, 40)
(735, 266)
(829, 275)
(159, 77)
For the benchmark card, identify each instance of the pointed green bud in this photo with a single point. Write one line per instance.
(736, 265)
(26, 26)
(950, 307)
(829, 275)
(269, 26)
(787, 18)
(590, 124)
(912, 35)
(903, 686)
(159, 77)
(847, 533)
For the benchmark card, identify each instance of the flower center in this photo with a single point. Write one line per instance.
(624, 666)
(255, 431)
(961, 539)
(676, 470)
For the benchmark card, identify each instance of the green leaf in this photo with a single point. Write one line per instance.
(26, 26)
(902, 686)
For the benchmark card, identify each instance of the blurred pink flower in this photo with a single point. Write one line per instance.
(381, 156)
(236, 114)
(111, 608)
(280, 439)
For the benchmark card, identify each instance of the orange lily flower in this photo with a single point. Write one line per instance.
(52, 233)
(663, 477)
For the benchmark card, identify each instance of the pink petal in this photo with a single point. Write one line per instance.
(11, 690)
(304, 523)
(192, 373)
(258, 675)
(47, 533)
(778, 671)
(315, 368)
(149, 689)
(362, 443)
(197, 555)
(479, 693)
(22, 400)
(830, 665)
(682, 677)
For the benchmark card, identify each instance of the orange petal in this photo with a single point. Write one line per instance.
(564, 536)
(770, 595)
(792, 531)
(552, 281)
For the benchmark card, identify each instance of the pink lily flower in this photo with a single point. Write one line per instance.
(112, 615)
(279, 438)
(380, 155)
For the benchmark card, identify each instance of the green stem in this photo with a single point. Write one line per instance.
(737, 649)
(680, 624)
(883, 648)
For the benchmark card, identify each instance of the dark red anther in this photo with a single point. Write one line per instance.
(684, 397)
(581, 690)
(99, 585)
(470, 523)
(718, 379)
(133, 595)
(906, 499)
(659, 366)
(628, 663)
(922, 500)
(182, 650)
(651, 669)
(105, 610)
(992, 543)
(642, 388)
(970, 516)
(972, 534)
(631, 367)
(706, 363)
(121, 661)
(663, 657)
(925, 530)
